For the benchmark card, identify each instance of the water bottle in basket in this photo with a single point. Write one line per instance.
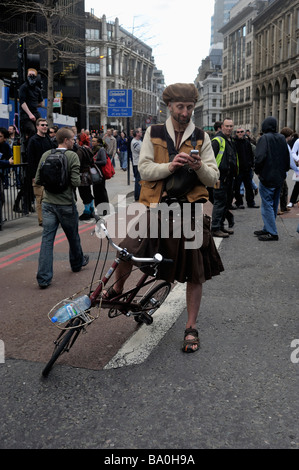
(73, 309)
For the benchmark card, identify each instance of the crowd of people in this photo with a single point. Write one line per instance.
(238, 157)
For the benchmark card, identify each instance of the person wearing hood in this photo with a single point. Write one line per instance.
(272, 161)
(31, 98)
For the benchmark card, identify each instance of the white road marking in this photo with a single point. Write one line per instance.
(140, 345)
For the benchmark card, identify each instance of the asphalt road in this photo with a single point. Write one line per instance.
(239, 391)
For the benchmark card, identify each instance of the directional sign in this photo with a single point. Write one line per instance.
(120, 103)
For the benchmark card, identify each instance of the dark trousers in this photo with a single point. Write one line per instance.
(246, 178)
(295, 193)
(137, 183)
(222, 201)
(85, 194)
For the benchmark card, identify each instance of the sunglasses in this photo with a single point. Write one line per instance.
(240, 132)
(44, 125)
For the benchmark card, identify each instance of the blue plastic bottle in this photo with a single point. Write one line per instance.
(72, 309)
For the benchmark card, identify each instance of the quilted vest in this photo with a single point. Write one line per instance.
(151, 191)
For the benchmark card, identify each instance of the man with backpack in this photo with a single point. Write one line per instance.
(58, 206)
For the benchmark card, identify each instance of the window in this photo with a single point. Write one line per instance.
(93, 69)
(93, 91)
(247, 93)
(214, 102)
(249, 48)
(214, 88)
(92, 51)
(92, 34)
(247, 115)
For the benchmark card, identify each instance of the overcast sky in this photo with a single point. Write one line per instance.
(179, 31)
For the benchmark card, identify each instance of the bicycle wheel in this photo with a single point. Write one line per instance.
(63, 343)
(152, 301)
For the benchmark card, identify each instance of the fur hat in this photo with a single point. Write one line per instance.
(183, 92)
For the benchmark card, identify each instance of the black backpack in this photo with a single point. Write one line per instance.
(54, 172)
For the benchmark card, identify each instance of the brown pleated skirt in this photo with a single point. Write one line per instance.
(190, 264)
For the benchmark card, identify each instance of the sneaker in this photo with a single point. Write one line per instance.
(268, 237)
(258, 233)
(220, 234)
(84, 263)
(44, 286)
(290, 204)
(85, 216)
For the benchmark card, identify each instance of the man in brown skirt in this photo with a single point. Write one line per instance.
(165, 150)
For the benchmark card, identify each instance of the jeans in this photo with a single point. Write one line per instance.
(137, 187)
(270, 200)
(53, 215)
(123, 157)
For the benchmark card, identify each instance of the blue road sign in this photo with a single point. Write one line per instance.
(120, 103)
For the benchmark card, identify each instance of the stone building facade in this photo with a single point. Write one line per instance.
(117, 59)
(238, 63)
(276, 64)
(260, 63)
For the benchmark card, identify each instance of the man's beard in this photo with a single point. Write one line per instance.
(180, 120)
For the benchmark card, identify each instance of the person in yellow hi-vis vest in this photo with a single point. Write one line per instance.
(227, 162)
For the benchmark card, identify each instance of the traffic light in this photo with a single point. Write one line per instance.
(26, 61)
(32, 61)
(21, 62)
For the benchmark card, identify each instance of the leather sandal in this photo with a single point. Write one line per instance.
(110, 293)
(188, 343)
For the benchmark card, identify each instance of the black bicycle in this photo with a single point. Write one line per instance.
(132, 302)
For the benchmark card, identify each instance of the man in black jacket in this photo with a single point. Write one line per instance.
(246, 163)
(226, 158)
(38, 144)
(272, 161)
(31, 98)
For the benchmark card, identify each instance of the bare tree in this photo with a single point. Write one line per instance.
(61, 37)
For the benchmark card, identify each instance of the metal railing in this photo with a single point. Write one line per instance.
(16, 193)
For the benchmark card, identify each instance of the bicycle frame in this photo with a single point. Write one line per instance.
(130, 294)
(122, 303)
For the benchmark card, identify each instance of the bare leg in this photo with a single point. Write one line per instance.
(122, 273)
(193, 295)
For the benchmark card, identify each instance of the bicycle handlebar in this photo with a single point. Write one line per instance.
(124, 254)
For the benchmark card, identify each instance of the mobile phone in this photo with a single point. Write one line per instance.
(194, 154)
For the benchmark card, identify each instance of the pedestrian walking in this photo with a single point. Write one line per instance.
(272, 161)
(60, 209)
